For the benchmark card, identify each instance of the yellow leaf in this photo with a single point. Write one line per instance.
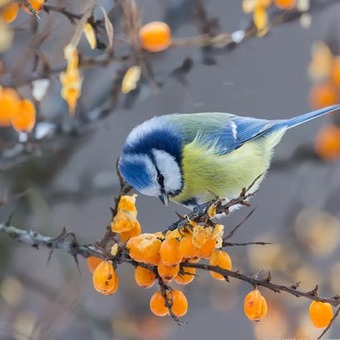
(90, 35)
(131, 79)
(261, 20)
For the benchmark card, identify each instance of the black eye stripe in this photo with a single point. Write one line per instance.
(160, 180)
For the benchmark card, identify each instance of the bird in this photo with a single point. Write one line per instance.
(192, 158)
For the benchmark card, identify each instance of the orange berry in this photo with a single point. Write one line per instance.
(320, 313)
(255, 306)
(145, 248)
(24, 119)
(335, 71)
(135, 231)
(92, 263)
(144, 277)
(322, 95)
(36, 5)
(155, 36)
(207, 249)
(170, 252)
(9, 104)
(122, 223)
(10, 12)
(187, 248)
(179, 302)
(157, 304)
(105, 279)
(186, 275)
(128, 203)
(327, 142)
(285, 4)
(220, 259)
(167, 273)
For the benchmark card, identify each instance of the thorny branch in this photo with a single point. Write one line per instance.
(71, 246)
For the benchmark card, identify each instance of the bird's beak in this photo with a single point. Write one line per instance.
(164, 199)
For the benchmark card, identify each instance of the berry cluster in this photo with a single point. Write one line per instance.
(10, 10)
(16, 112)
(166, 257)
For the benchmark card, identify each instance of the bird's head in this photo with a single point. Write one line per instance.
(151, 159)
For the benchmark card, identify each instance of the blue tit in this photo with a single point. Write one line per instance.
(190, 158)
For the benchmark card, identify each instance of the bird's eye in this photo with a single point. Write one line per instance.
(160, 180)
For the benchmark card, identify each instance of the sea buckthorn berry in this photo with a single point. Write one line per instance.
(128, 203)
(221, 259)
(170, 252)
(122, 223)
(285, 4)
(320, 313)
(322, 95)
(207, 249)
(186, 275)
(9, 12)
(155, 36)
(92, 263)
(9, 104)
(144, 277)
(157, 304)
(255, 306)
(145, 248)
(179, 302)
(187, 248)
(36, 5)
(24, 119)
(327, 142)
(105, 279)
(167, 273)
(135, 231)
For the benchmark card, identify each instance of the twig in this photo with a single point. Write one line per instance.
(231, 244)
(232, 232)
(330, 323)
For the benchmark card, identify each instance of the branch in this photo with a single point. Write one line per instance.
(65, 241)
(277, 288)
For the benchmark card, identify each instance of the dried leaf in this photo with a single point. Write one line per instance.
(108, 28)
(131, 79)
(81, 23)
(90, 35)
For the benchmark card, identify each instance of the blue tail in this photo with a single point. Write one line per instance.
(289, 123)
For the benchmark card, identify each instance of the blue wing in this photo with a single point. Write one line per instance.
(240, 130)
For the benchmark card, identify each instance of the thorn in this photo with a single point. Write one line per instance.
(314, 292)
(269, 276)
(296, 286)
(9, 219)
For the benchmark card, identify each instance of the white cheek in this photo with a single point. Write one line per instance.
(169, 167)
(151, 191)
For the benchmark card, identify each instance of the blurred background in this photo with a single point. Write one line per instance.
(63, 175)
